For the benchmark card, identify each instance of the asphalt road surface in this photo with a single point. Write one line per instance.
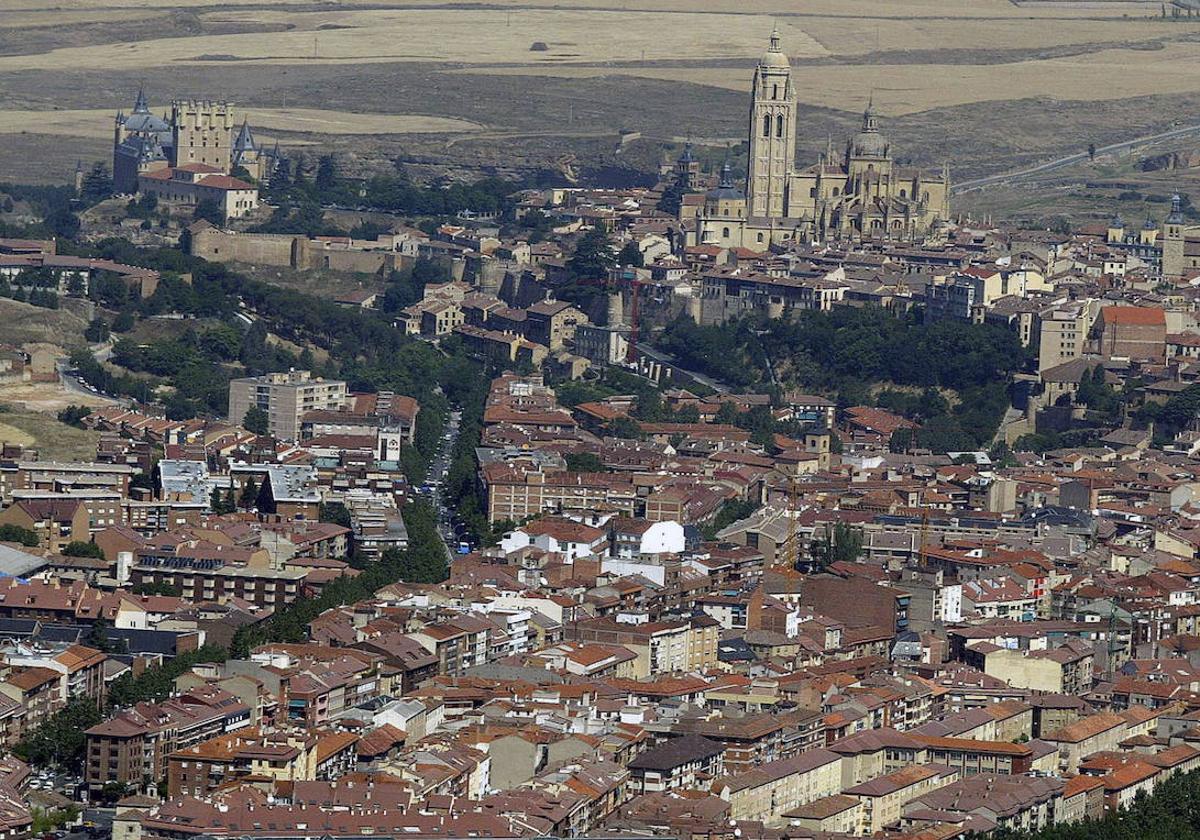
(1058, 163)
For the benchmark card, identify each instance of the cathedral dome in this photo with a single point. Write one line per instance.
(869, 142)
(774, 56)
(726, 191)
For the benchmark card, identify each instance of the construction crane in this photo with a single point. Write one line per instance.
(923, 539)
(793, 526)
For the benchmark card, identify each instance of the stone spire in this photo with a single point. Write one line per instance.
(245, 139)
(141, 106)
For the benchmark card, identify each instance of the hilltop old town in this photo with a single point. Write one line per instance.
(769, 500)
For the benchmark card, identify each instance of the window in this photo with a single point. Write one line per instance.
(725, 232)
(779, 126)
(774, 91)
(766, 125)
(760, 237)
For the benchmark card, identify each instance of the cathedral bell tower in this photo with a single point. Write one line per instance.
(772, 134)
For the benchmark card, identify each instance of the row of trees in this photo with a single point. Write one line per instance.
(1172, 812)
(424, 561)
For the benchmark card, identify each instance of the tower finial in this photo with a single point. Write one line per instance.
(774, 47)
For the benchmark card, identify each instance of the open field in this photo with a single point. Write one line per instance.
(45, 398)
(985, 84)
(21, 323)
(54, 441)
(1118, 73)
(96, 123)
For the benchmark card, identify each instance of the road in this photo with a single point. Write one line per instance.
(667, 359)
(74, 385)
(1059, 163)
(437, 475)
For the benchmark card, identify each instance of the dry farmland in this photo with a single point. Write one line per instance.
(984, 84)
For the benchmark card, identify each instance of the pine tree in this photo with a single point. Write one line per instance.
(249, 495)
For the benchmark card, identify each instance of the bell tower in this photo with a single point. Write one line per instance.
(1173, 236)
(772, 134)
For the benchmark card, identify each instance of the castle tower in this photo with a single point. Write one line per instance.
(772, 134)
(1172, 247)
(203, 132)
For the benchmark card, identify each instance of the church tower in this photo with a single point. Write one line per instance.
(772, 134)
(1173, 236)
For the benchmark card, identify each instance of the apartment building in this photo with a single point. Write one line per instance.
(883, 799)
(286, 398)
(767, 792)
(132, 746)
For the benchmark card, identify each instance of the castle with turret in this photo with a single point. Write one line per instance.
(195, 131)
(861, 194)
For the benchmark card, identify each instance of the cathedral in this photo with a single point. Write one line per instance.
(862, 194)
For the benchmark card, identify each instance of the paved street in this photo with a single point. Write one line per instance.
(435, 481)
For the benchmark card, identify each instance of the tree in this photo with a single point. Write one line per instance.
(210, 211)
(97, 637)
(73, 415)
(97, 331)
(17, 534)
(249, 494)
(62, 222)
(326, 176)
(727, 414)
(221, 503)
(97, 184)
(625, 427)
(842, 544)
(335, 513)
(593, 256)
(901, 440)
(256, 420)
(124, 321)
(584, 462)
(79, 548)
(631, 255)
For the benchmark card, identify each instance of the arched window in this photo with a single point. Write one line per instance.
(903, 194)
(766, 125)
(774, 91)
(779, 126)
(760, 237)
(725, 232)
